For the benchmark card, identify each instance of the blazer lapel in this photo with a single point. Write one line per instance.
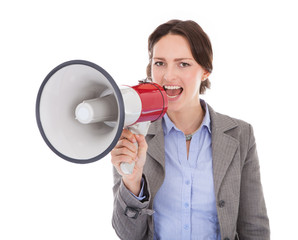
(224, 146)
(155, 140)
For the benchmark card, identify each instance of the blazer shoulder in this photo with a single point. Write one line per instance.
(226, 122)
(234, 127)
(241, 124)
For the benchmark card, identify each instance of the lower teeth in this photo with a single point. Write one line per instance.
(172, 96)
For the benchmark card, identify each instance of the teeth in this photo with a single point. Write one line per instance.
(172, 87)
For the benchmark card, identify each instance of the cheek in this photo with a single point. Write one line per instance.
(193, 81)
(193, 77)
(156, 75)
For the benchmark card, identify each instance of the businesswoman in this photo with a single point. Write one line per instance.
(196, 173)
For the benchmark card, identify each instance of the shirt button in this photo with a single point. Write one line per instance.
(221, 203)
(187, 182)
(186, 227)
(186, 205)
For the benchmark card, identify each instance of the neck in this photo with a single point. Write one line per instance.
(188, 121)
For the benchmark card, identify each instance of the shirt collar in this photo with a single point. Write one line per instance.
(207, 120)
(168, 125)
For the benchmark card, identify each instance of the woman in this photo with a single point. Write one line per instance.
(197, 173)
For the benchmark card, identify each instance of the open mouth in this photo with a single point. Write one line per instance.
(173, 91)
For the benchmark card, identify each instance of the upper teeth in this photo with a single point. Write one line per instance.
(172, 87)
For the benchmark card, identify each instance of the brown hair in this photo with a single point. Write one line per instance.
(199, 42)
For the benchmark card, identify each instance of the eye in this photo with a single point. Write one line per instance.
(184, 64)
(159, 63)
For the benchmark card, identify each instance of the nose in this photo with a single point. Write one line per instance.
(170, 73)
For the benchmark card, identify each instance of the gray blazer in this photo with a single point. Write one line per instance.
(238, 191)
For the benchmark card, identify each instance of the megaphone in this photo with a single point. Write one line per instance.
(81, 112)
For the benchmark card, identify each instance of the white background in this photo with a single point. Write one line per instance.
(254, 79)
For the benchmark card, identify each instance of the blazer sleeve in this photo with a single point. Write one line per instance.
(130, 216)
(253, 222)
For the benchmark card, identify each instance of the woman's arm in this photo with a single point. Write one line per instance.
(130, 215)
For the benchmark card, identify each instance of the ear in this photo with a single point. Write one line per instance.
(205, 75)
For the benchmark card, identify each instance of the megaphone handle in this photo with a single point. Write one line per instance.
(138, 128)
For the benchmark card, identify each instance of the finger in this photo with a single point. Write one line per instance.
(127, 144)
(125, 152)
(117, 160)
(126, 134)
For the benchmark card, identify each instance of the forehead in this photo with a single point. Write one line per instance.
(172, 46)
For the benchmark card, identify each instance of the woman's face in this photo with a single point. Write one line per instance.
(175, 69)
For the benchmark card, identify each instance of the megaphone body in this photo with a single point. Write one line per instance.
(81, 111)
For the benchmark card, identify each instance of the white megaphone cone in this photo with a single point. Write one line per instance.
(81, 111)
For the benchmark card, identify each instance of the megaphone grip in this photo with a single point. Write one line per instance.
(127, 168)
(138, 128)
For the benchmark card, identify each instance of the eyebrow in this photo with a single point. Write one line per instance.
(176, 59)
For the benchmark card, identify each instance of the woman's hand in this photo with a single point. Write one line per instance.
(127, 151)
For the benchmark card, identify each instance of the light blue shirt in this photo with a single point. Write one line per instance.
(185, 205)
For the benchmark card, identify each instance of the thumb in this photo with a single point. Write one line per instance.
(142, 145)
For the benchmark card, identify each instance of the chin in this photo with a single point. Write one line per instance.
(175, 107)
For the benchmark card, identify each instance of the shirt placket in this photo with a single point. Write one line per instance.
(186, 189)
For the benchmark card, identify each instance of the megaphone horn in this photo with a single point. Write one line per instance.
(81, 112)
